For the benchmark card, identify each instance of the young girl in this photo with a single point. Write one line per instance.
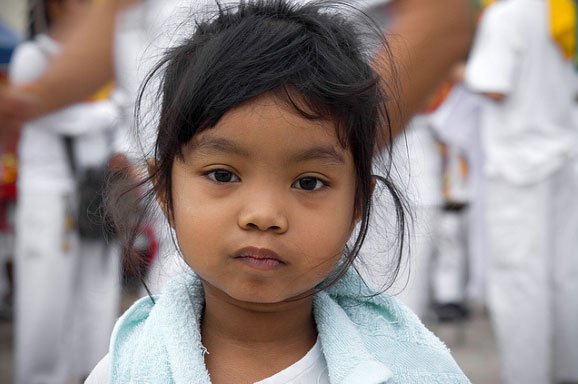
(269, 120)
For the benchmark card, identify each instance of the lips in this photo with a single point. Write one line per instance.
(259, 258)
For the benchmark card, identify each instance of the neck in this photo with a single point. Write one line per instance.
(241, 336)
(254, 324)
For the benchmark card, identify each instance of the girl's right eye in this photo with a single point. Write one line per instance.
(222, 176)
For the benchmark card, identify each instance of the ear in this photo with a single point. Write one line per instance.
(160, 192)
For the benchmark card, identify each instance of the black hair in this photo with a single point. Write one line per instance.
(309, 55)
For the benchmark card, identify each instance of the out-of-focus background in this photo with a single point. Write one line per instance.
(12, 27)
(489, 167)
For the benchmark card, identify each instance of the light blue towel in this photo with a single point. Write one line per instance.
(364, 340)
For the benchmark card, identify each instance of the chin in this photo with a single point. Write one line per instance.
(259, 294)
(259, 299)
(271, 299)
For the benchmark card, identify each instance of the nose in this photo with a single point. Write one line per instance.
(263, 214)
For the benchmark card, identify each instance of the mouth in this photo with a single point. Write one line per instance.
(259, 258)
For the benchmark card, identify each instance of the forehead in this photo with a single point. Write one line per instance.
(269, 125)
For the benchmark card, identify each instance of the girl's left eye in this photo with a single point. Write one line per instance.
(309, 184)
(222, 176)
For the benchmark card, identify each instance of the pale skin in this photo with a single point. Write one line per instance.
(268, 179)
(426, 39)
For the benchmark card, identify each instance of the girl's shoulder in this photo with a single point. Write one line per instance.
(130, 324)
(387, 318)
(139, 310)
(384, 330)
(125, 332)
(379, 311)
(151, 339)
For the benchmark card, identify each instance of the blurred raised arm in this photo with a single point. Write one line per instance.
(426, 39)
(85, 64)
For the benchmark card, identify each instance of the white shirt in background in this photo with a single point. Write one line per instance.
(529, 134)
(42, 160)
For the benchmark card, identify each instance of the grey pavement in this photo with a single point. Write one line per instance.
(473, 346)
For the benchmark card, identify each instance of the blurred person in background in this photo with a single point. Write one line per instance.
(8, 174)
(67, 287)
(532, 191)
(419, 170)
(459, 272)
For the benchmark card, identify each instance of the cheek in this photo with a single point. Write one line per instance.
(190, 207)
(192, 222)
(327, 234)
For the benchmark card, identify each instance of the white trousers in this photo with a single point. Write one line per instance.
(449, 271)
(414, 281)
(67, 293)
(533, 277)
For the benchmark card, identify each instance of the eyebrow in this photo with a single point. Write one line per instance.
(208, 144)
(211, 144)
(325, 153)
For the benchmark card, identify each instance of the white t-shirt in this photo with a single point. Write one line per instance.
(529, 134)
(42, 160)
(310, 369)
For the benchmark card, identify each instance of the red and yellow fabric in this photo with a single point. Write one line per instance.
(8, 165)
(455, 173)
(481, 5)
(104, 93)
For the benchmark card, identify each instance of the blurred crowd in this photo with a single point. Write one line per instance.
(488, 163)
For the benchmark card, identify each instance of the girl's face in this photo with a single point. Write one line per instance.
(264, 202)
